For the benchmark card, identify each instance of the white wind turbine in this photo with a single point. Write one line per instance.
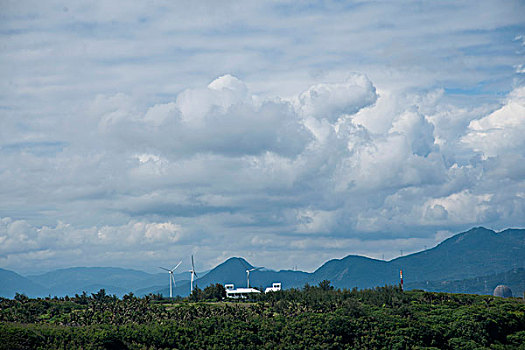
(172, 279)
(248, 275)
(193, 274)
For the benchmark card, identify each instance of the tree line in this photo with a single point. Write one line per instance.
(316, 317)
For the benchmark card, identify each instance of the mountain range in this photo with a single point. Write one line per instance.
(75, 280)
(458, 264)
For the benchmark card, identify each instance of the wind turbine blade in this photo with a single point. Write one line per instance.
(192, 263)
(173, 269)
(195, 273)
(164, 269)
(173, 279)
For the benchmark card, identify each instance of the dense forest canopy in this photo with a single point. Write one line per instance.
(312, 317)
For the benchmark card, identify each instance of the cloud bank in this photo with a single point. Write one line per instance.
(221, 168)
(284, 133)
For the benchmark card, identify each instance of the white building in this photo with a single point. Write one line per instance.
(274, 288)
(239, 293)
(243, 293)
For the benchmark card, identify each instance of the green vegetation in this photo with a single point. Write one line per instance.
(314, 317)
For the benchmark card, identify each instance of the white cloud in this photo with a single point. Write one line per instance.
(221, 118)
(330, 101)
(82, 246)
(219, 96)
(462, 207)
(315, 221)
(502, 131)
(20, 236)
(160, 114)
(417, 131)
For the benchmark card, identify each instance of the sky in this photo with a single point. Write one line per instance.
(136, 133)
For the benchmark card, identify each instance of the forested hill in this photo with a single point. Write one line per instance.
(476, 252)
(470, 254)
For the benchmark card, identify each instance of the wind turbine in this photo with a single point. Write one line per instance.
(248, 275)
(172, 279)
(193, 274)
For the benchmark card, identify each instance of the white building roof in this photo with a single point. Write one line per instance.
(242, 290)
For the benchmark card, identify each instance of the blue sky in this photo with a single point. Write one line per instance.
(136, 133)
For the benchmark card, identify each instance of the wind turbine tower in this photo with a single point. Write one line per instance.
(193, 274)
(172, 279)
(248, 276)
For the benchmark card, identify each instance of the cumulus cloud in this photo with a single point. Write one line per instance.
(221, 94)
(91, 245)
(462, 207)
(417, 131)
(315, 221)
(501, 131)
(19, 235)
(221, 118)
(330, 101)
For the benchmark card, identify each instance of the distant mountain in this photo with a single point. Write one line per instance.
(114, 280)
(357, 271)
(476, 252)
(456, 262)
(514, 279)
(233, 271)
(12, 283)
(288, 278)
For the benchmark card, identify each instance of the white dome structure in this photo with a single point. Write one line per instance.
(502, 291)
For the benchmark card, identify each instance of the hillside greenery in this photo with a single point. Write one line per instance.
(313, 317)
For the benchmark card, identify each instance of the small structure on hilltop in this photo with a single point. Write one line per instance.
(502, 291)
(274, 288)
(239, 293)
